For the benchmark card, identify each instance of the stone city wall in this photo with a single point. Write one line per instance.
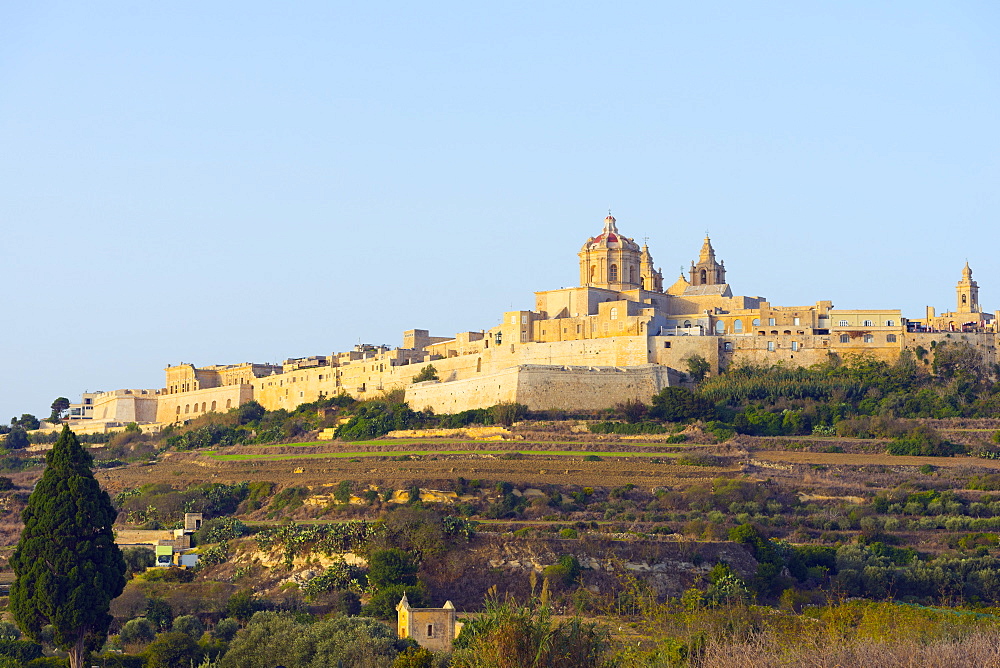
(188, 405)
(541, 387)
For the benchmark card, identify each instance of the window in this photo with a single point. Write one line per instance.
(666, 344)
(869, 338)
(844, 323)
(844, 338)
(187, 408)
(203, 405)
(770, 346)
(593, 274)
(738, 326)
(229, 403)
(795, 321)
(756, 322)
(430, 630)
(795, 346)
(178, 410)
(513, 319)
(890, 338)
(631, 275)
(868, 323)
(687, 323)
(771, 322)
(890, 323)
(213, 406)
(613, 273)
(524, 320)
(614, 314)
(578, 329)
(728, 347)
(720, 327)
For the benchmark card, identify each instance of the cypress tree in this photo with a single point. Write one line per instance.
(67, 565)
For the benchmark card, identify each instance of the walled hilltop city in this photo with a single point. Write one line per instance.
(620, 335)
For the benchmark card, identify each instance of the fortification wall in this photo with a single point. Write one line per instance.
(542, 387)
(187, 405)
(126, 406)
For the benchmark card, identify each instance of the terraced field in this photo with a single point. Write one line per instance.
(428, 462)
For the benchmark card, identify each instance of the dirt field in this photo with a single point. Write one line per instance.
(182, 469)
(850, 459)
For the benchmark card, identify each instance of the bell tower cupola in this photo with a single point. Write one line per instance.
(968, 292)
(707, 271)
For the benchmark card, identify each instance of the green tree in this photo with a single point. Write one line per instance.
(387, 568)
(679, 404)
(251, 411)
(27, 421)
(272, 639)
(697, 367)
(171, 650)
(242, 605)
(59, 406)
(427, 373)
(507, 413)
(16, 439)
(66, 563)
(138, 559)
(137, 631)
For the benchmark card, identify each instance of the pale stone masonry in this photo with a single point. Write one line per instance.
(619, 335)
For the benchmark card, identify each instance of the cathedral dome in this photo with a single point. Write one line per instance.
(610, 238)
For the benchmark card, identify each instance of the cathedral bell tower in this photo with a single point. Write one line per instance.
(707, 271)
(968, 292)
(612, 261)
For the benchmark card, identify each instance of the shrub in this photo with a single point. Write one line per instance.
(925, 441)
(225, 629)
(137, 631)
(426, 373)
(190, 625)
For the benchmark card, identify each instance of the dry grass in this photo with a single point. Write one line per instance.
(976, 650)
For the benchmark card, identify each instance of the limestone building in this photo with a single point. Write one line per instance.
(620, 334)
(433, 628)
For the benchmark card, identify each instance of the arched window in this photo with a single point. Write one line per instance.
(593, 274)
(965, 299)
(845, 338)
(756, 322)
(738, 326)
(187, 408)
(720, 327)
(229, 403)
(869, 338)
(178, 410)
(631, 274)
(613, 274)
(687, 323)
(704, 277)
(614, 313)
(479, 365)
(213, 406)
(203, 405)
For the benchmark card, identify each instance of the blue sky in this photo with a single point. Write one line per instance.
(228, 182)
